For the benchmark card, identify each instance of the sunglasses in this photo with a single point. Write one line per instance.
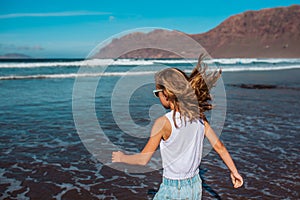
(155, 92)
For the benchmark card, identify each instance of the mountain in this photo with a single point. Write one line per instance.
(14, 56)
(149, 45)
(267, 33)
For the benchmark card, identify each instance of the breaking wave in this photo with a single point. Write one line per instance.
(122, 62)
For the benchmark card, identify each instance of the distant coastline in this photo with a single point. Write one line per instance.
(14, 56)
(40, 60)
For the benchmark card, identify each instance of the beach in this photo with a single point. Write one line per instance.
(44, 157)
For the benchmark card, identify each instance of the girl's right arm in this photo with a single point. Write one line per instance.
(159, 129)
(219, 147)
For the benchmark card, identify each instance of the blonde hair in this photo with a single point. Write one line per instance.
(190, 95)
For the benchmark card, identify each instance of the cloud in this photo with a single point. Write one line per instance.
(53, 14)
(21, 48)
(111, 18)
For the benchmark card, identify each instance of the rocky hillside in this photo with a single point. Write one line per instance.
(265, 33)
(268, 33)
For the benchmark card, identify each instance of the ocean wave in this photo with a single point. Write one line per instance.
(136, 73)
(83, 63)
(181, 61)
(248, 61)
(75, 75)
(128, 62)
(265, 68)
(233, 61)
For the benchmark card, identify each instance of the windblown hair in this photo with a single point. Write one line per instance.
(189, 94)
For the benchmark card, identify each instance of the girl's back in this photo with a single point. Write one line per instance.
(182, 151)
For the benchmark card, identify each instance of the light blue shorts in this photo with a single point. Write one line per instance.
(190, 189)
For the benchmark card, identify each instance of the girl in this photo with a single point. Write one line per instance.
(180, 133)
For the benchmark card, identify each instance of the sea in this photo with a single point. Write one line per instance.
(60, 119)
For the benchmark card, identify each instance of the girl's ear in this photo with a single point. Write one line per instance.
(166, 97)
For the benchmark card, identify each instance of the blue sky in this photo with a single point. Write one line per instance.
(71, 29)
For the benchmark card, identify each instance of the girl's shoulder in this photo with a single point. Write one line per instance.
(162, 121)
(162, 125)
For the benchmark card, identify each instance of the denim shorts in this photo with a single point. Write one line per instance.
(187, 189)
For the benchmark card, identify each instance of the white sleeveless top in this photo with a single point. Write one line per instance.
(181, 153)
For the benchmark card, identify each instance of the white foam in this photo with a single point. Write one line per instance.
(127, 62)
(75, 75)
(232, 61)
(270, 68)
(84, 63)
(14, 185)
(65, 187)
(175, 61)
(81, 75)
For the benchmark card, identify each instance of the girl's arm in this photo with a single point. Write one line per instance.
(160, 127)
(219, 147)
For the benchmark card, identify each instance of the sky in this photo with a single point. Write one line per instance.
(73, 28)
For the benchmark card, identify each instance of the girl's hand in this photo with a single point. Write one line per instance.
(236, 179)
(117, 156)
